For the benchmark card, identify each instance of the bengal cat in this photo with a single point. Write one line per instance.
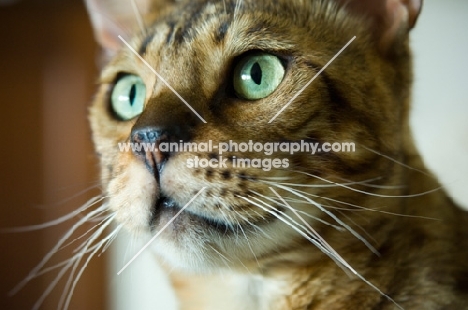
(367, 228)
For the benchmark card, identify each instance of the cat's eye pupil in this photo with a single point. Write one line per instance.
(132, 94)
(128, 97)
(256, 73)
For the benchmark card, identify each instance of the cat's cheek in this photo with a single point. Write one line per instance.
(132, 196)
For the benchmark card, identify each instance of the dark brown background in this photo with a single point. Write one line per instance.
(47, 74)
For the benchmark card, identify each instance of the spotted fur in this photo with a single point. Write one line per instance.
(378, 208)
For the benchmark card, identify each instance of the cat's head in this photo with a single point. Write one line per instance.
(220, 71)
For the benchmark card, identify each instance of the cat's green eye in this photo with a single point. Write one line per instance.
(257, 76)
(128, 96)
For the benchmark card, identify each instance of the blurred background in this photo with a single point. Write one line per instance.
(48, 168)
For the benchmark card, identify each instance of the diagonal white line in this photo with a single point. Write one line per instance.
(162, 79)
(160, 231)
(308, 83)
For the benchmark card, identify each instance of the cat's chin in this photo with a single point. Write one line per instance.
(193, 242)
(185, 239)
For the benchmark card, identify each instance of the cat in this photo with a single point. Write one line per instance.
(364, 229)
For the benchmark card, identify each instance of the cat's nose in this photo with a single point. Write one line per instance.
(163, 122)
(147, 145)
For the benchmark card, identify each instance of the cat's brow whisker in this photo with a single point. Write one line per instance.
(138, 17)
(237, 9)
(96, 11)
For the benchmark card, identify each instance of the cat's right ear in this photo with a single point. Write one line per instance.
(111, 18)
(391, 18)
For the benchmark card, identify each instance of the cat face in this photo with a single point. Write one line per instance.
(219, 72)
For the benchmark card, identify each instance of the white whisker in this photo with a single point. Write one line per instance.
(370, 193)
(59, 244)
(333, 216)
(357, 208)
(86, 233)
(139, 17)
(58, 221)
(338, 257)
(309, 215)
(397, 162)
(90, 256)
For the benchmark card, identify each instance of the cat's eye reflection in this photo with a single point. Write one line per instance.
(128, 97)
(257, 76)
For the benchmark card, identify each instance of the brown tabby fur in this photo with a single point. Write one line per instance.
(382, 190)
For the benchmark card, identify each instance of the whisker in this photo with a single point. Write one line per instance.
(86, 233)
(72, 262)
(348, 183)
(361, 208)
(309, 215)
(81, 251)
(313, 240)
(139, 17)
(225, 259)
(249, 245)
(58, 221)
(319, 206)
(90, 256)
(337, 257)
(397, 162)
(49, 255)
(370, 193)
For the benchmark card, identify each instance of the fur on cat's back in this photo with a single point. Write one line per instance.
(378, 232)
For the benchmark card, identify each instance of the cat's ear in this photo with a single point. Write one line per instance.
(392, 18)
(111, 18)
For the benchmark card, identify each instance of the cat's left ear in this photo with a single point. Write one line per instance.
(392, 18)
(111, 18)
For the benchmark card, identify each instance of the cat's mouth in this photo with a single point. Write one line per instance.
(168, 211)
